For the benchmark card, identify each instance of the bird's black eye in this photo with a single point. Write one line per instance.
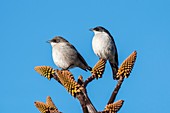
(55, 40)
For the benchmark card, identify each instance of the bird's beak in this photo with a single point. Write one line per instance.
(91, 29)
(48, 41)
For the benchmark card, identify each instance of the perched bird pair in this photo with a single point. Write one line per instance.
(66, 56)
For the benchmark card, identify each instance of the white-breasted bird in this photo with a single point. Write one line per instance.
(104, 47)
(65, 55)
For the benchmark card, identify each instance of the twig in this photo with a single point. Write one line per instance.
(88, 80)
(88, 103)
(56, 78)
(116, 90)
(80, 97)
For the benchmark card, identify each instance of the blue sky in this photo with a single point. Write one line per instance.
(142, 25)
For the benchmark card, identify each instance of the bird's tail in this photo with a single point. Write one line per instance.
(85, 68)
(89, 68)
(114, 67)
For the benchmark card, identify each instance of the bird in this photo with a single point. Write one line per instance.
(104, 47)
(65, 55)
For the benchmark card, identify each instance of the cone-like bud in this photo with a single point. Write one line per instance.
(127, 66)
(50, 103)
(67, 80)
(42, 107)
(114, 107)
(45, 71)
(48, 107)
(99, 68)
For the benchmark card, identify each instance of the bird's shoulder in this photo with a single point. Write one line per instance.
(70, 46)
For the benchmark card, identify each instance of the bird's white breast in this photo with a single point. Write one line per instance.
(102, 44)
(58, 54)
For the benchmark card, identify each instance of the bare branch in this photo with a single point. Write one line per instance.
(88, 80)
(116, 90)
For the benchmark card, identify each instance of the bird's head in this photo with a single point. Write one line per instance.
(57, 40)
(99, 29)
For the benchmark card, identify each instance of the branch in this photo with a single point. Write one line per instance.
(81, 98)
(56, 78)
(116, 90)
(88, 80)
(85, 103)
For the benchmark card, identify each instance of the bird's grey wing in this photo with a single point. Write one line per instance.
(109, 35)
(84, 62)
(82, 59)
(115, 48)
(79, 55)
(112, 39)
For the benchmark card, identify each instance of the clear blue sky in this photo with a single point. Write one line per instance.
(142, 25)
